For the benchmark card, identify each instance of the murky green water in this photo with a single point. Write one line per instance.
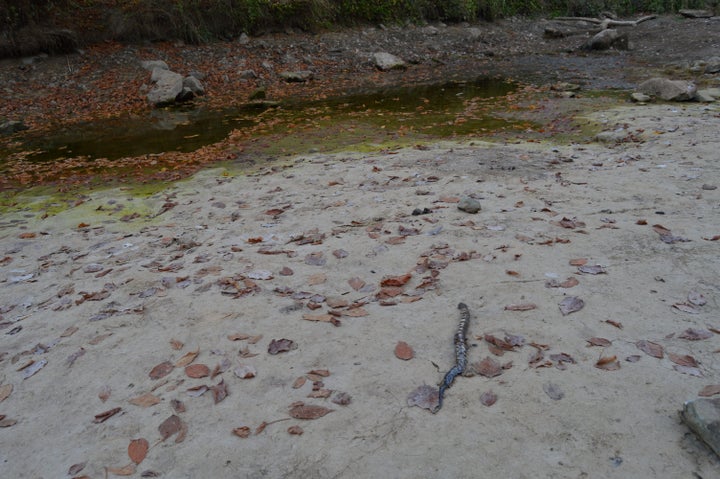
(429, 110)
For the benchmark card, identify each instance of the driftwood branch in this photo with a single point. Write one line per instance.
(605, 23)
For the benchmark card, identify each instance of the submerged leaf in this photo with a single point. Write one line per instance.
(693, 334)
(424, 396)
(137, 450)
(651, 349)
(308, 411)
(608, 363)
(488, 398)
(161, 370)
(710, 390)
(404, 351)
(170, 426)
(488, 367)
(281, 345)
(553, 391)
(571, 304)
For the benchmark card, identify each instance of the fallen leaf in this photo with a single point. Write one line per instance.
(686, 308)
(320, 372)
(197, 391)
(553, 391)
(651, 349)
(395, 280)
(710, 390)
(693, 334)
(661, 230)
(571, 304)
(170, 426)
(424, 396)
(608, 363)
(521, 307)
(688, 370)
(245, 371)
(594, 269)
(137, 450)
(69, 332)
(5, 391)
(238, 336)
(315, 259)
(599, 342)
(4, 422)
(685, 360)
(281, 345)
(178, 406)
(488, 398)
(578, 262)
(197, 371)
(342, 398)
(128, 470)
(176, 345)
(187, 358)
(161, 370)
(104, 416)
(299, 382)
(295, 430)
(317, 278)
(219, 391)
(500, 343)
(561, 359)
(308, 411)
(33, 368)
(145, 400)
(356, 283)
(323, 318)
(633, 358)
(76, 468)
(488, 367)
(242, 431)
(27, 235)
(617, 324)
(404, 351)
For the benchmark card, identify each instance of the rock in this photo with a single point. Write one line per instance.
(640, 97)
(151, 65)
(243, 39)
(565, 86)
(35, 59)
(385, 61)
(668, 90)
(712, 65)
(185, 95)
(606, 39)
(12, 126)
(469, 205)
(475, 34)
(615, 136)
(704, 96)
(297, 77)
(194, 85)
(167, 87)
(430, 30)
(687, 13)
(247, 74)
(702, 416)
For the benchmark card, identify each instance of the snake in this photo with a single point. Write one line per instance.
(460, 354)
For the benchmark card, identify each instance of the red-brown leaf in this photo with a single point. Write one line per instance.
(219, 391)
(308, 411)
(599, 342)
(197, 371)
(170, 426)
(710, 390)
(488, 367)
(685, 360)
(608, 363)
(404, 351)
(104, 416)
(137, 450)
(161, 370)
(651, 349)
(520, 307)
(396, 280)
(146, 400)
(488, 398)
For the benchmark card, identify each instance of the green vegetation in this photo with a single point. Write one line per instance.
(60, 25)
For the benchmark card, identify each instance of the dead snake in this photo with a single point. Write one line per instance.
(460, 354)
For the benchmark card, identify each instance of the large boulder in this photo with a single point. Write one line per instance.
(608, 38)
(386, 61)
(668, 90)
(168, 86)
(150, 65)
(702, 415)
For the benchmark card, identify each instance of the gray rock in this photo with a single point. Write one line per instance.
(640, 97)
(386, 61)
(185, 95)
(167, 87)
(259, 94)
(688, 13)
(474, 34)
(704, 96)
(615, 136)
(243, 39)
(194, 85)
(702, 416)
(469, 205)
(12, 126)
(247, 74)
(150, 65)
(608, 38)
(297, 77)
(712, 65)
(668, 90)
(430, 30)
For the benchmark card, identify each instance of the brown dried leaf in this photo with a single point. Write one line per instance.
(686, 308)
(578, 261)
(104, 416)
(187, 358)
(693, 334)
(356, 283)
(318, 278)
(571, 304)
(197, 371)
(500, 343)
(404, 351)
(104, 393)
(170, 426)
(137, 450)
(238, 336)
(219, 391)
(320, 393)
(651, 349)
(355, 312)
(320, 372)
(342, 398)
(146, 400)
(281, 345)
(424, 396)
(395, 280)
(5, 391)
(308, 411)
(295, 430)
(710, 390)
(161, 370)
(661, 230)
(488, 367)
(4, 422)
(299, 382)
(521, 307)
(608, 363)
(569, 283)
(617, 324)
(685, 360)
(176, 344)
(69, 332)
(128, 470)
(488, 398)
(323, 318)
(242, 431)
(245, 371)
(178, 406)
(599, 342)
(76, 468)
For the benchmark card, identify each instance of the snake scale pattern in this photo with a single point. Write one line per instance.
(460, 353)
